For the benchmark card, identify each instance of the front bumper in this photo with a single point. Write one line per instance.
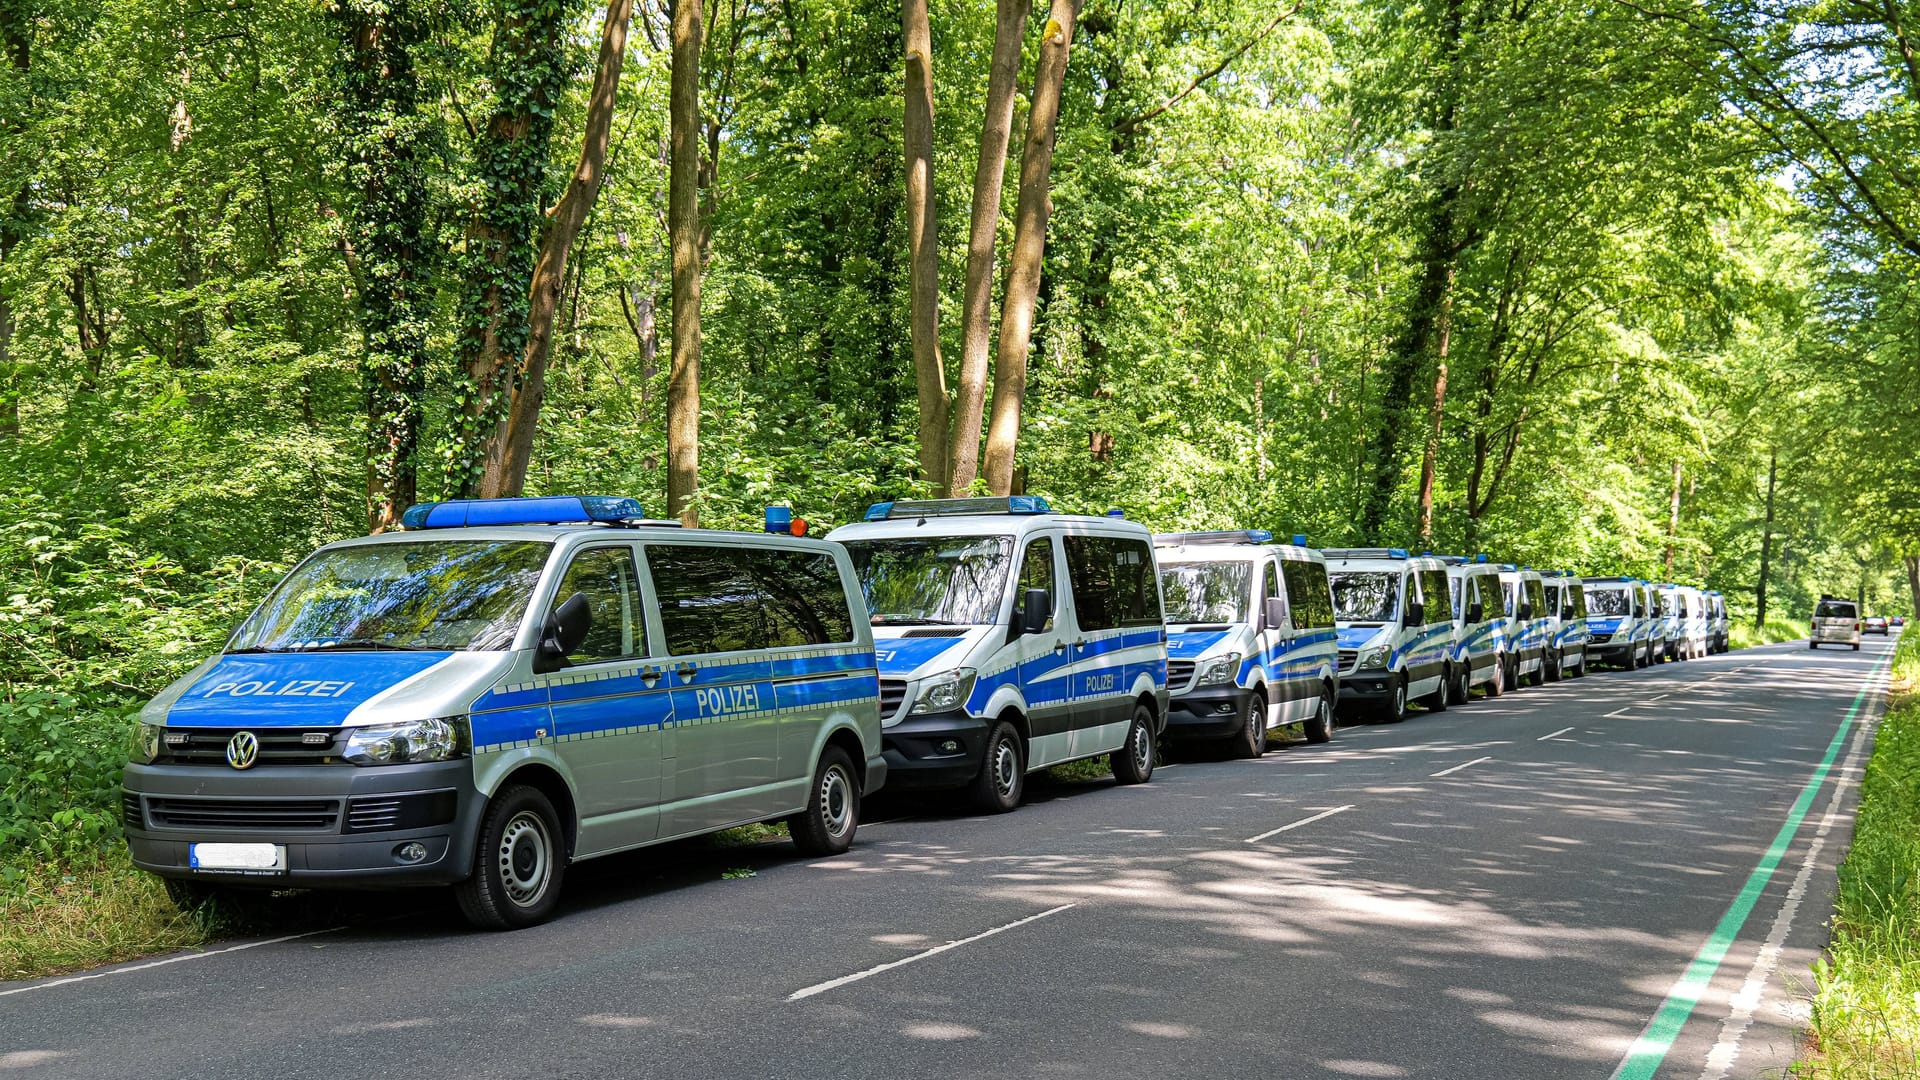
(1215, 712)
(342, 825)
(1370, 686)
(937, 750)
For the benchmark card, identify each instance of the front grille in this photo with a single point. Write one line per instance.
(892, 693)
(374, 813)
(1347, 659)
(278, 746)
(1179, 673)
(1600, 639)
(130, 810)
(937, 631)
(255, 815)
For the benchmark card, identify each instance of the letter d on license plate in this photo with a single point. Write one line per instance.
(247, 858)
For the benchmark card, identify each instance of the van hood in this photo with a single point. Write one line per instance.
(909, 657)
(1355, 637)
(1604, 626)
(1194, 643)
(290, 689)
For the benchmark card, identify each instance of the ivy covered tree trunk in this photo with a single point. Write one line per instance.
(923, 245)
(16, 37)
(684, 240)
(1029, 246)
(387, 144)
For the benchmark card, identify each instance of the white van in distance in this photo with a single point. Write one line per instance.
(1478, 617)
(1395, 618)
(507, 687)
(1836, 621)
(1567, 631)
(1010, 639)
(1250, 638)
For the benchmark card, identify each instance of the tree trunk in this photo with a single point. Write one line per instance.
(16, 36)
(1029, 246)
(1673, 518)
(683, 230)
(564, 223)
(1913, 581)
(923, 246)
(1438, 413)
(1766, 542)
(976, 309)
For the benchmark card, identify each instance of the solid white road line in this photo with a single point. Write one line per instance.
(168, 960)
(1562, 731)
(1297, 824)
(1747, 1001)
(832, 984)
(1462, 765)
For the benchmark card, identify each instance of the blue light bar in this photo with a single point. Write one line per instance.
(920, 508)
(1116, 512)
(1299, 539)
(779, 520)
(1480, 558)
(1229, 536)
(544, 510)
(1366, 553)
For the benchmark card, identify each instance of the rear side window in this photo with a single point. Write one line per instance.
(1579, 592)
(805, 601)
(1308, 596)
(1113, 582)
(709, 601)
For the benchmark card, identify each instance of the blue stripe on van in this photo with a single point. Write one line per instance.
(1193, 643)
(814, 693)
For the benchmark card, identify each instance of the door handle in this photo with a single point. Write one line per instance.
(1081, 644)
(1059, 646)
(650, 675)
(686, 670)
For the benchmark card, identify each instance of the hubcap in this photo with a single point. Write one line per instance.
(1326, 715)
(1399, 700)
(1006, 767)
(1142, 746)
(525, 859)
(1256, 721)
(836, 801)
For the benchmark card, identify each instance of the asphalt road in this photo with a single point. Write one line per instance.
(1506, 889)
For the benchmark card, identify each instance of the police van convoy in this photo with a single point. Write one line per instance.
(1567, 631)
(507, 687)
(1010, 639)
(1250, 638)
(1477, 621)
(1394, 613)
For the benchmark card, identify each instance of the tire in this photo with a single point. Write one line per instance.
(1856, 646)
(519, 861)
(1639, 660)
(1550, 667)
(1003, 772)
(1437, 701)
(1320, 726)
(1460, 687)
(1498, 684)
(1252, 740)
(827, 825)
(1812, 645)
(1133, 762)
(1395, 710)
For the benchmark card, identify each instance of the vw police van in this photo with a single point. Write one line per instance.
(1567, 630)
(1394, 614)
(1836, 621)
(1526, 630)
(1619, 631)
(507, 687)
(1010, 639)
(1478, 601)
(1250, 638)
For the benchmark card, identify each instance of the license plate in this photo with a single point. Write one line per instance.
(251, 858)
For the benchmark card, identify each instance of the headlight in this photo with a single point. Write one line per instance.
(418, 740)
(146, 743)
(1375, 657)
(948, 690)
(1220, 669)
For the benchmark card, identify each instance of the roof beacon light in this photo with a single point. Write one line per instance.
(1480, 558)
(1299, 539)
(1116, 512)
(1229, 536)
(924, 508)
(1366, 553)
(781, 522)
(543, 510)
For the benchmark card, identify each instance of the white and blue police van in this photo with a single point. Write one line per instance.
(1567, 629)
(1719, 626)
(507, 687)
(1674, 620)
(1697, 620)
(1394, 617)
(1250, 638)
(1010, 639)
(1659, 612)
(1619, 630)
(1477, 601)
(1527, 629)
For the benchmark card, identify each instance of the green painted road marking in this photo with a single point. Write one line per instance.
(1650, 1049)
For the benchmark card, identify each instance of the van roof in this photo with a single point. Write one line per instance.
(551, 533)
(1234, 552)
(988, 525)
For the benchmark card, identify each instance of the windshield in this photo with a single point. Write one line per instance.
(1206, 592)
(938, 581)
(1365, 596)
(433, 595)
(1607, 603)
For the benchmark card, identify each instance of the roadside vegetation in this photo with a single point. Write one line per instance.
(1744, 634)
(1866, 1004)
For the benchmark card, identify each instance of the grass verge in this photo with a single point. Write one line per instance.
(55, 921)
(1745, 635)
(1866, 1003)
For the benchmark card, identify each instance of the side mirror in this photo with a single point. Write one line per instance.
(1274, 615)
(1416, 614)
(1036, 608)
(1526, 611)
(564, 632)
(1477, 612)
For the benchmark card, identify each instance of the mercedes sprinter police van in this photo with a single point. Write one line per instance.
(1010, 639)
(1698, 622)
(1567, 630)
(1619, 631)
(1395, 618)
(507, 687)
(1477, 619)
(1526, 628)
(1673, 619)
(1719, 625)
(1250, 637)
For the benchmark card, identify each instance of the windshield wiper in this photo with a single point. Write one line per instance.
(910, 620)
(367, 644)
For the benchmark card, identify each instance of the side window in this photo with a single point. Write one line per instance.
(1507, 589)
(605, 576)
(1036, 572)
(1433, 583)
(1308, 595)
(709, 600)
(1113, 582)
(1537, 597)
(1579, 600)
(805, 601)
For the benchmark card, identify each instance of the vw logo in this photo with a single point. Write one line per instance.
(243, 750)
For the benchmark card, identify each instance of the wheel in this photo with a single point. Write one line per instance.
(1320, 726)
(1856, 646)
(1133, 763)
(517, 865)
(1003, 775)
(1437, 701)
(1395, 710)
(1498, 684)
(1812, 645)
(1550, 666)
(1252, 740)
(1460, 686)
(827, 825)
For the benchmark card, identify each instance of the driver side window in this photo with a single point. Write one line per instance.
(618, 628)
(1036, 572)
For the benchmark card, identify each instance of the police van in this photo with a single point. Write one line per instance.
(1394, 615)
(1567, 630)
(1673, 619)
(1010, 639)
(1619, 631)
(1250, 638)
(1719, 625)
(1527, 628)
(1836, 621)
(1698, 621)
(1478, 617)
(507, 687)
